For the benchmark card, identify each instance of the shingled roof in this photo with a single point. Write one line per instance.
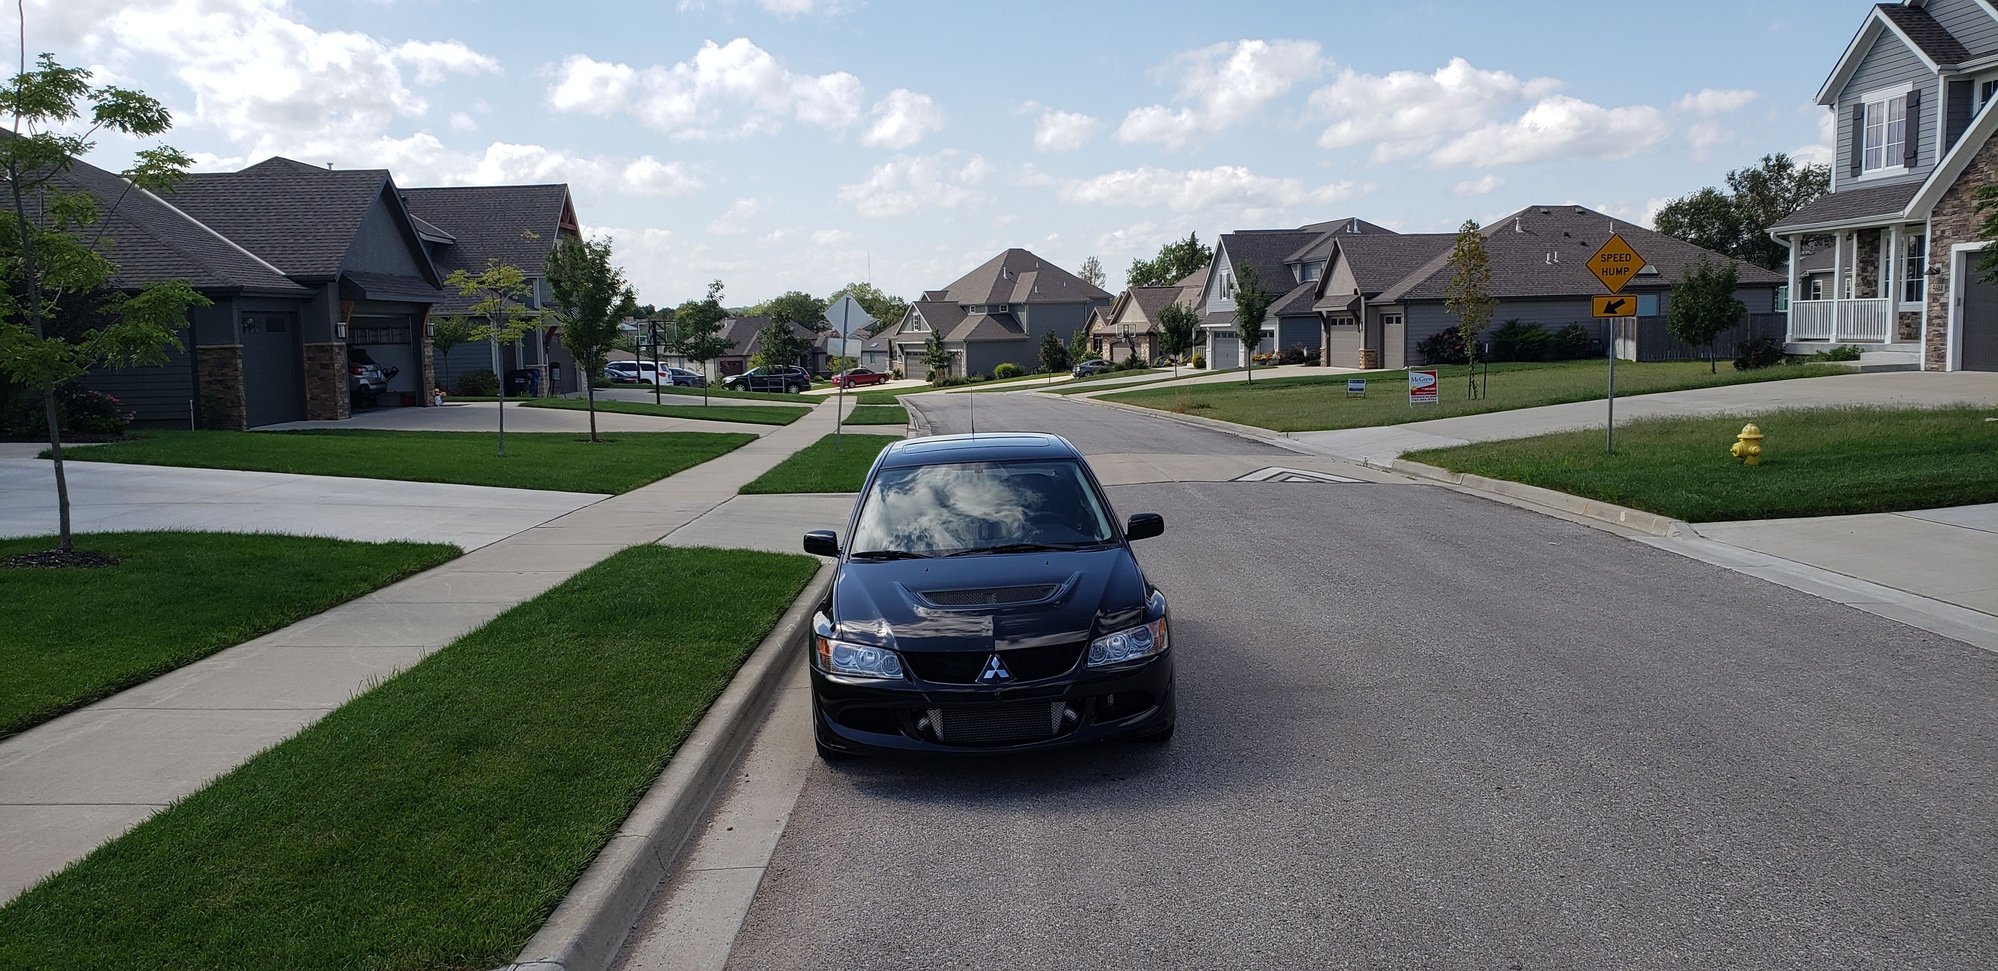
(1018, 276)
(300, 218)
(1871, 202)
(1522, 245)
(1922, 30)
(517, 225)
(149, 241)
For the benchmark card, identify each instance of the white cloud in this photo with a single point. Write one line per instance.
(1705, 136)
(1027, 174)
(833, 237)
(421, 159)
(1063, 131)
(902, 119)
(1221, 86)
(781, 9)
(434, 59)
(1708, 102)
(647, 176)
(730, 223)
(1202, 189)
(462, 122)
(945, 180)
(1820, 153)
(1479, 186)
(725, 91)
(1558, 127)
(1407, 113)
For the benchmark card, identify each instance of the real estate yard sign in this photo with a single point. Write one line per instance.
(1422, 388)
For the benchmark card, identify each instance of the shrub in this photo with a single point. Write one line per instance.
(1296, 354)
(1199, 362)
(478, 384)
(1518, 341)
(1128, 364)
(1007, 370)
(1571, 343)
(82, 413)
(1443, 347)
(1844, 353)
(1756, 353)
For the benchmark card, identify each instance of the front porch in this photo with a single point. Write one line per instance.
(1870, 320)
(1862, 286)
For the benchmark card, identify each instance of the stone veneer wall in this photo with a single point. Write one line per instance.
(1866, 264)
(1908, 326)
(326, 395)
(429, 358)
(1954, 221)
(222, 401)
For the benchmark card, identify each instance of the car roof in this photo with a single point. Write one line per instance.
(991, 447)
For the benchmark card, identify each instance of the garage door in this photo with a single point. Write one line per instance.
(1342, 344)
(1225, 353)
(1978, 342)
(391, 342)
(273, 369)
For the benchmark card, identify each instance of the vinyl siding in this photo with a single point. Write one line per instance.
(980, 357)
(157, 395)
(1889, 64)
(1977, 30)
(1298, 332)
(380, 247)
(1957, 113)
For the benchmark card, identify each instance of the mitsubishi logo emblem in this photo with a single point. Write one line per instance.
(995, 671)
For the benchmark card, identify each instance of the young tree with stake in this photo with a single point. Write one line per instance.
(1252, 304)
(1177, 324)
(498, 315)
(697, 331)
(593, 296)
(1468, 293)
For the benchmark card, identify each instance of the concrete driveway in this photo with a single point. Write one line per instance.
(113, 498)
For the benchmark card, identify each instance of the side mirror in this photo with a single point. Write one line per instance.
(1144, 525)
(822, 542)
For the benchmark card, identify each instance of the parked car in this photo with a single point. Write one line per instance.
(787, 379)
(651, 372)
(622, 372)
(366, 380)
(986, 600)
(858, 377)
(1092, 367)
(683, 378)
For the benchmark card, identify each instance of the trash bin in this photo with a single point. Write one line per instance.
(518, 381)
(533, 383)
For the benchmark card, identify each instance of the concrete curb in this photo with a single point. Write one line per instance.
(919, 423)
(589, 926)
(1637, 519)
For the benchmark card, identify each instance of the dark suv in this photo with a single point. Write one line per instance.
(781, 378)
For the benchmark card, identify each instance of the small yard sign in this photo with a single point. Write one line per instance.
(1422, 388)
(1356, 387)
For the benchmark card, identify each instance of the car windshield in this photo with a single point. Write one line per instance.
(944, 509)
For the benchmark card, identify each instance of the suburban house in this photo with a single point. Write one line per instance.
(745, 337)
(995, 314)
(1911, 96)
(1129, 327)
(304, 263)
(508, 225)
(1288, 263)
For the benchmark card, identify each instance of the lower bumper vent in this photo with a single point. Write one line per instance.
(981, 724)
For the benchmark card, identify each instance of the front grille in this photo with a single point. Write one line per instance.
(980, 724)
(991, 596)
(963, 667)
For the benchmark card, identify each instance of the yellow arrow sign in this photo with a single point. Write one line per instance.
(1615, 264)
(1615, 306)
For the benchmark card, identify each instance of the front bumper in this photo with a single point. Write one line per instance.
(859, 716)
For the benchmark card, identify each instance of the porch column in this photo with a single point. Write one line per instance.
(1790, 311)
(1838, 281)
(1890, 278)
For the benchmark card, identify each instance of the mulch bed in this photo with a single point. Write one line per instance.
(59, 559)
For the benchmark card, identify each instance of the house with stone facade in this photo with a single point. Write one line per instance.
(998, 313)
(1911, 95)
(1129, 328)
(1289, 264)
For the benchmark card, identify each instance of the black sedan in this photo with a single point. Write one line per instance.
(987, 601)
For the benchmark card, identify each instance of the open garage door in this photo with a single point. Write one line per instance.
(391, 341)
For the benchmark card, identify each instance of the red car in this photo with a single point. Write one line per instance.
(859, 377)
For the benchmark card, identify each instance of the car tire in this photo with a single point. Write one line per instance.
(1159, 737)
(832, 755)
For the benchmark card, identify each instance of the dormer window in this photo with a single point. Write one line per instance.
(1886, 134)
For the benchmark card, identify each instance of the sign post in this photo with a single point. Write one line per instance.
(1614, 264)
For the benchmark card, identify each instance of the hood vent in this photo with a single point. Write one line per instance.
(990, 596)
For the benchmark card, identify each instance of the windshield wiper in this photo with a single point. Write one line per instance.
(1022, 548)
(888, 555)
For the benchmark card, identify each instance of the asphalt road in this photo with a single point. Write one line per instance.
(1095, 429)
(1422, 730)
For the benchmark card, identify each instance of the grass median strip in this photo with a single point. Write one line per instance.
(831, 464)
(1319, 403)
(750, 414)
(437, 820)
(1096, 384)
(877, 415)
(714, 390)
(74, 636)
(1817, 462)
(534, 460)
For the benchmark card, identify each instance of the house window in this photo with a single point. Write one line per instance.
(1817, 289)
(1886, 133)
(1647, 305)
(1915, 269)
(1002, 308)
(1783, 299)
(1986, 90)
(1313, 271)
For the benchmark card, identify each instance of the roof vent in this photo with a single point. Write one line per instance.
(1579, 211)
(1354, 226)
(1547, 212)
(1557, 257)
(1518, 225)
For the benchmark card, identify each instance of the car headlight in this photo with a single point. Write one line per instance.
(1133, 644)
(855, 661)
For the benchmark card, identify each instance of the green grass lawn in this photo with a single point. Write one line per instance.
(831, 464)
(74, 636)
(1816, 462)
(534, 460)
(1006, 384)
(877, 415)
(714, 390)
(1165, 375)
(748, 414)
(1315, 403)
(435, 821)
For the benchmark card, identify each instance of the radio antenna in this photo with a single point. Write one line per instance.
(974, 415)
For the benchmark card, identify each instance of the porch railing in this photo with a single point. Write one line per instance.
(1841, 320)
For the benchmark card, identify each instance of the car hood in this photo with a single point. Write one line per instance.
(932, 605)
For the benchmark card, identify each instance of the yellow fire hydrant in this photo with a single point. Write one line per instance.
(1748, 445)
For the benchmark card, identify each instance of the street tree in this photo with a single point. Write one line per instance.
(58, 315)
(1708, 219)
(1092, 272)
(1468, 292)
(1252, 304)
(499, 315)
(798, 308)
(594, 297)
(886, 310)
(936, 357)
(1054, 354)
(1704, 305)
(1078, 346)
(447, 333)
(1756, 197)
(697, 331)
(1177, 325)
(780, 343)
(1175, 260)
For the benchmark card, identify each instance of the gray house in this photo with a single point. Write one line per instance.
(995, 314)
(1912, 97)
(1289, 264)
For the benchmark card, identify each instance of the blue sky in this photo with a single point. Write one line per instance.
(800, 144)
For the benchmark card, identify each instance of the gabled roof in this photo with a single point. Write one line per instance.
(300, 218)
(1267, 250)
(150, 241)
(1334, 229)
(1378, 261)
(1296, 301)
(1920, 28)
(987, 327)
(517, 225)
(940, 315)
(1148, 300)
(747, 334)
(1523, 249)
(1018, 276)
(1911, 25)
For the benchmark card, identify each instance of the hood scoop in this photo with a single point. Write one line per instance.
(1012, 596)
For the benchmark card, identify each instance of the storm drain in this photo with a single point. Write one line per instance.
(999, 723)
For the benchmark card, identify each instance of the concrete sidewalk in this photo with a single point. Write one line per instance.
(1949, 555)
(70, 784)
